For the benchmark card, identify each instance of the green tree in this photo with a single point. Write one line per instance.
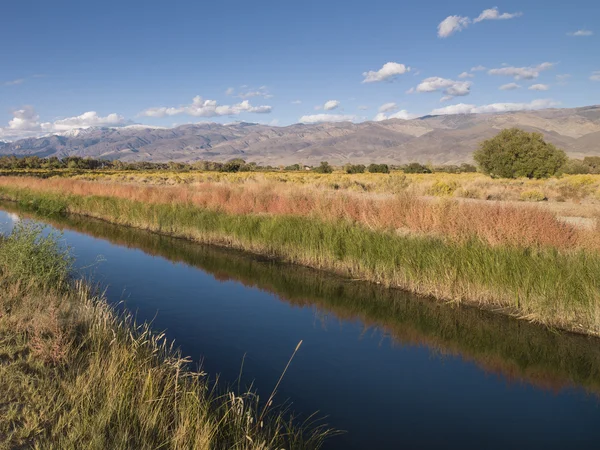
(355, 168)
(379, 168)
(323, 168)
(416, 168)
(234, 165)
(514, 153)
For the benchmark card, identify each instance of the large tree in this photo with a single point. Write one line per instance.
(516, 153)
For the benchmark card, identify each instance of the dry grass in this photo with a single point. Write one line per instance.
(73, 374)
(492, 223)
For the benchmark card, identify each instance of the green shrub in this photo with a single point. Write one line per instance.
(355, 168)
(575, 167)
(533, 196)
(379, 168)
(442, 188)
(35, 258)
(516, 153)
(416, 168)
(324, 167)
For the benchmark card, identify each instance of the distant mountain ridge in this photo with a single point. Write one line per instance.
(446, 139)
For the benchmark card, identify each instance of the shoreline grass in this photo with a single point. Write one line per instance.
(404, 213)
(541, 284)
(74, 374)
(520, 352)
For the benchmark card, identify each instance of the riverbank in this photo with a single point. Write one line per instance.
(74, 374)
(519, 352)
(555, 286)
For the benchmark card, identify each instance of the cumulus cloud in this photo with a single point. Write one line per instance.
(317, 118)
(509, 87)
(522, 73)
(387, 107)
(539, 87)
(452, 24)
(450, 88)
(331, 104)
(595, 75)
(494, 14)
(477, 68)
(388, 72)
(86, 120)
(463, 108)
(582, 32)
(402, 114)
(466, 75)
(26, 123)
(206, 108)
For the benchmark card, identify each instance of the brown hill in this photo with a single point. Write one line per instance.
(447, 139)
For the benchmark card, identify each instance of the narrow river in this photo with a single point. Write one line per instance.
(393, 370)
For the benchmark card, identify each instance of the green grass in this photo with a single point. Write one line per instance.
(73, 374)
(518, 350)
(551, 287)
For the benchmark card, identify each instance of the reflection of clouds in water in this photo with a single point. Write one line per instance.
(14, 218)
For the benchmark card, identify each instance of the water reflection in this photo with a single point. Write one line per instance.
(352, 327)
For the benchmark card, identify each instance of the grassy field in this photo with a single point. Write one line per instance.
(73, 374)
(522, 261)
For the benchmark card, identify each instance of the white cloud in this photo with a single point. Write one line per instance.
(88, 119)
(466, 75)
(206, 108)
(331, 104)
(582, 32)
(450, 88)
(509, 87)
(14, 82)
(522, 73)
(26, 123)
(259, 92)
(494, 14)
(539, 87)
(387, 107)
(296, 102)
(25, 119)
(477, 68)
(317, 118)
(402, 114)
(388, 72)
(595, 75)
(463, 108)
(452, 24)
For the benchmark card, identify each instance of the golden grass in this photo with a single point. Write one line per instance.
(74, 374)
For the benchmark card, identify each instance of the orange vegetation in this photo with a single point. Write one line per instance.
(492, 223)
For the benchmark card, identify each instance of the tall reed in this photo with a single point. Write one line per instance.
(456, 221)
(74, 374)
(538, 283)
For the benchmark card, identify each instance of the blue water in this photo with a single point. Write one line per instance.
(386, 394)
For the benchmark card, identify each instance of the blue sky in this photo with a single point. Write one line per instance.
(69, 64)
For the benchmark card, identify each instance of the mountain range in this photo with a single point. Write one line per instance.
(444, 139)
